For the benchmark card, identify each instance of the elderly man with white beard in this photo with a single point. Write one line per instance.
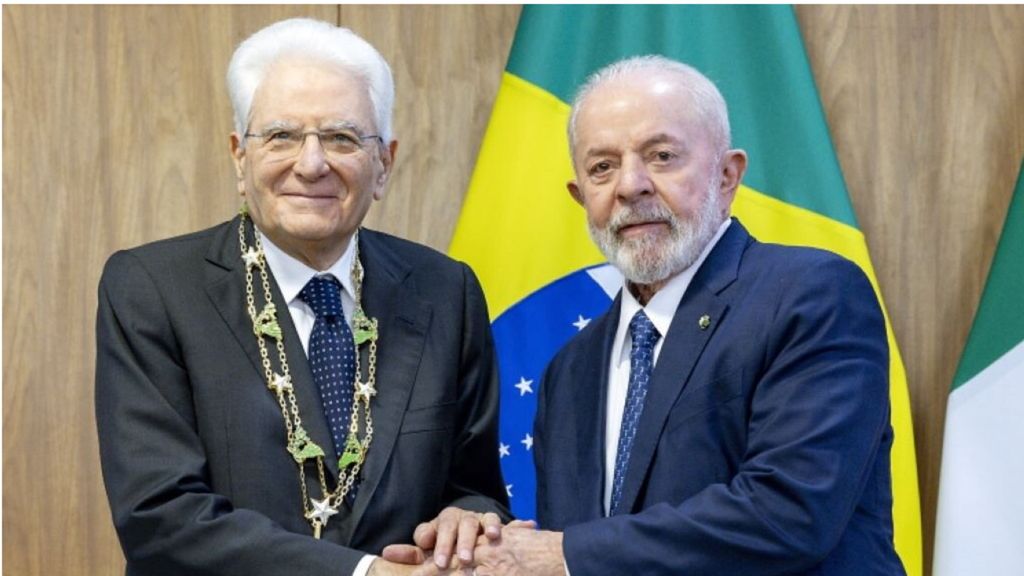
(729, 414)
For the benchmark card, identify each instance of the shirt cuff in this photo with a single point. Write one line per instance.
(364, 565)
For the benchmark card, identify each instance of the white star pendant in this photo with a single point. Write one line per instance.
(253, 257)
(322, 511)
(280, 383)
(365, 391)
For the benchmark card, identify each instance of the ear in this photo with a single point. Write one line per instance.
(387, 161)
(238, 157)
(575, 192)
(734, 166)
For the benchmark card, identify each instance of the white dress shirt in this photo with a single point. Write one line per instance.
(292, 276)
(660, 309)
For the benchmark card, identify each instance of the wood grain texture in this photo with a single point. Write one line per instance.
(115, 133)
(926, 109)
(447, 62)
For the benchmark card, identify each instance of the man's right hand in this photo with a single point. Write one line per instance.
(408, 560)
(454, 530)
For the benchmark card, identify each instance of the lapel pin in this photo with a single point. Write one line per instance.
(704, 322)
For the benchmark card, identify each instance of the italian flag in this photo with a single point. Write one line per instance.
(522, 233)
(980, 523)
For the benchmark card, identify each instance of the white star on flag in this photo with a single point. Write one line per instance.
(524, 386)
(503, 450)
(508, 490)
(527, 441)
(581, 322)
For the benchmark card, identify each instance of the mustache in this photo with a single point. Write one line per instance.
(640, 214)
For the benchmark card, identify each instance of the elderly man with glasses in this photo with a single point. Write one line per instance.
(288, 393)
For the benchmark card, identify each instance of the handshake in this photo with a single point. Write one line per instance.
(462, 542)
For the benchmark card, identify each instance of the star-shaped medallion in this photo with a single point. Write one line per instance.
(322, 510)
(253, 257)
(280, 383)
(365, 391)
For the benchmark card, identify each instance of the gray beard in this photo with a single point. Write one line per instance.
(648, 260)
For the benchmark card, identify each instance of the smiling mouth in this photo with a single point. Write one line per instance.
(310, 196)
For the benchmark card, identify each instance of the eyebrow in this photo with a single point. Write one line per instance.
(341, 125)
(660, 138)
(333, 125)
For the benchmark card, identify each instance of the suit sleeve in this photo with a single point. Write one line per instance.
(818, 414)
(475, 481)
(168, 519)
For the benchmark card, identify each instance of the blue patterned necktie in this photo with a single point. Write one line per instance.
(641, 364)
(331, 355)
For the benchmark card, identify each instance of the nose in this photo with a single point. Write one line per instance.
(634, 179)
(311, 163)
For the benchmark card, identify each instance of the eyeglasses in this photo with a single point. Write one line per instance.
(284, 143)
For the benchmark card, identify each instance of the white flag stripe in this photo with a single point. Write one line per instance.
(981, 514)
(608, 278)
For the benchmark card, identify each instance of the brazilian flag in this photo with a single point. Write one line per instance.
(527, 240)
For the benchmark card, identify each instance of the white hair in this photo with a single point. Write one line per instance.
(704, 95)
(308, 38)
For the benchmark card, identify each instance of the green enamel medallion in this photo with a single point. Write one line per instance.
(352, 454)
(266, 322)
(302, 447)
(363, 328)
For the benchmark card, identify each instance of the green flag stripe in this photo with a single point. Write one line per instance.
(773, 103)
(999, 323)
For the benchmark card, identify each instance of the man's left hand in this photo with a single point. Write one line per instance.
(521, 551)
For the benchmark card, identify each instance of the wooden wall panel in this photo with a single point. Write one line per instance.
(115, 133)
(447, 62)
(926, 109)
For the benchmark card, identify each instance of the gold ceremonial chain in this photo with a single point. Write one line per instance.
(300, 445)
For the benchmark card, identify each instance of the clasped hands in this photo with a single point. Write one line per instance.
(470, 543)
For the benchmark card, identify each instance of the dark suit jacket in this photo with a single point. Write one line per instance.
(763, 447)
(193, 444)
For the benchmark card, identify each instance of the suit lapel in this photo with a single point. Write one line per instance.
(684, 343)
(403, 320)
(590, 398)
(226, 289)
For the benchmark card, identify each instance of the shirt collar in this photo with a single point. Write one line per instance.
(292, 275)
(662, 306)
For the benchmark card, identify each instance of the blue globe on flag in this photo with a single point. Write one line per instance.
(527, 337)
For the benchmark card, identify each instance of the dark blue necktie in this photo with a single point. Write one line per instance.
(331, 355)
(641, 364)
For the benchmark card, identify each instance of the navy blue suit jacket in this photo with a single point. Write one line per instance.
(764, 443)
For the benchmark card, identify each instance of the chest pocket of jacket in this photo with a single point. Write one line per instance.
(436, 417)
(702, 396)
